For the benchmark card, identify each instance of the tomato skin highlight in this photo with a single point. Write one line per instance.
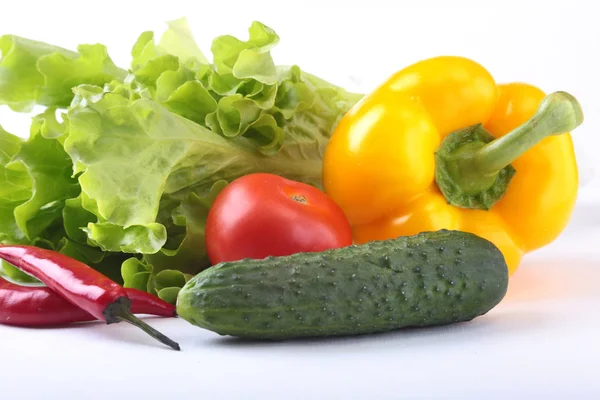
(261, 215)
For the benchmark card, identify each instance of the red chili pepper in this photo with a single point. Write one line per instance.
(80, 284)
(39, 306)
(145, 303)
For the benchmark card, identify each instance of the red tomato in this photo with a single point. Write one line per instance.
(260, 215)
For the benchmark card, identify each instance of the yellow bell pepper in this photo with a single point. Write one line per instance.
(441, 145)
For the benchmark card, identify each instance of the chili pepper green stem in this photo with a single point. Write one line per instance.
(120, 311)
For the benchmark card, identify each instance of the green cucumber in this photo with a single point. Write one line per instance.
(432, 278)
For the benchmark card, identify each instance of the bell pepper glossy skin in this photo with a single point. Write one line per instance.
(379, 165)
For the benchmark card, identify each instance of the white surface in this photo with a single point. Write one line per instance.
(542, 342)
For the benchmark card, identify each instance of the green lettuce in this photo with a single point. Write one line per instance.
(35, 73)
(122, 167)
(36, 188)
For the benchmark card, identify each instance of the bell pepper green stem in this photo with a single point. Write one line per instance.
(558, 113)
(473, 169)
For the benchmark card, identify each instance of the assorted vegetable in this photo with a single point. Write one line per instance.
(469, 155)
(261, 215)
(263, 201)
(121, 168)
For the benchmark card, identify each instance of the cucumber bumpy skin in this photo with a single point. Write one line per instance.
(432, 278)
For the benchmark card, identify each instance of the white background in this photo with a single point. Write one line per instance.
(541, 342)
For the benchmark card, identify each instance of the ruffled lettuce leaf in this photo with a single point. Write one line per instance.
(15, 188)
(178, 40)
(130, 153)
(35, 181)
(37, 192)
(50, 170)
(186, 250)
(240, 95)
(249, 59)
(35, 73)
